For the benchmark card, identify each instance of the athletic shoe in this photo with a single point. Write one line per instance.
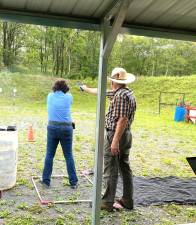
(107, 207)
(47, 186)
(74, 186)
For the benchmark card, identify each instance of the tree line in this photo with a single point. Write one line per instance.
(73, 53)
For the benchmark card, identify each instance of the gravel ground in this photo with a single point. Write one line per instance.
(20, 205)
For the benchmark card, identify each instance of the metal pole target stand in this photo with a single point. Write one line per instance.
(46, 201)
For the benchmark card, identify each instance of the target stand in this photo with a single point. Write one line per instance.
(46, 202)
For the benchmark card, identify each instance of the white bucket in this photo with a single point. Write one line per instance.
(8, 159)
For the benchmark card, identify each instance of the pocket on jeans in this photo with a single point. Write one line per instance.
(67, 131)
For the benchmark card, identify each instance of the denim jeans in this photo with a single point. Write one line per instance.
(62, 134)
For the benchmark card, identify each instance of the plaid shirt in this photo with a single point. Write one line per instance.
(122, 104)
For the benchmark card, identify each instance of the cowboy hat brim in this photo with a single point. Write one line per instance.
(130, 79)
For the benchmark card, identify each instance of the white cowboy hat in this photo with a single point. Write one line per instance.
(120, 76)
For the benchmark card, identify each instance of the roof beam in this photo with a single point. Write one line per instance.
(49, 20)
(94, 24)
(170, 33)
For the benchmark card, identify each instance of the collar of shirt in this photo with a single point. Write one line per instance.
(110, 94)
(59, 92)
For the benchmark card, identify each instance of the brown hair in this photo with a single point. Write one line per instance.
(60, 85)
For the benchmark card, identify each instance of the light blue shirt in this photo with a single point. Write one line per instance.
(59, 106)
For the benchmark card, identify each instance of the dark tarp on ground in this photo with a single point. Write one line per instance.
(164, 190)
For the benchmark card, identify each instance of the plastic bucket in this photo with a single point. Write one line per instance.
(8, 159)
(179, 114)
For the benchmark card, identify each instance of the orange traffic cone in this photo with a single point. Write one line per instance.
(30, 134)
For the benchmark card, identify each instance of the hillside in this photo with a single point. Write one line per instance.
(33, 89)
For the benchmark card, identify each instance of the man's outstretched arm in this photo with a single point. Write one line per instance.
(89, 90)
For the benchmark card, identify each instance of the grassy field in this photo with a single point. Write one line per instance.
(158, 136)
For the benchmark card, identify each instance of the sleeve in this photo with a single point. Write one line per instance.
(71, 96)
(110, 95)
(121, 106)
(47, 99)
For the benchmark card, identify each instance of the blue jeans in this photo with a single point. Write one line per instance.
(62, 134)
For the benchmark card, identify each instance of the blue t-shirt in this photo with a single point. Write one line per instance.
(59, 106)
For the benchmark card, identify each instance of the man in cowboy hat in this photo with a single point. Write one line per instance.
(118, 138)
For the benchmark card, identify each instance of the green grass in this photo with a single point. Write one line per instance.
(147, 89)
(160, 147)
(4, 214)
(33, 89)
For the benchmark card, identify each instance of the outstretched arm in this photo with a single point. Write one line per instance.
(95, 90)
(89, 90)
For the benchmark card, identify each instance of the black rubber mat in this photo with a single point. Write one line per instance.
(164, 190)
(192, 163)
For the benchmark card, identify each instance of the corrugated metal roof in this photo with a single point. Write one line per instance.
(147, 17)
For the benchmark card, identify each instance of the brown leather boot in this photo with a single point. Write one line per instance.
(107, 207)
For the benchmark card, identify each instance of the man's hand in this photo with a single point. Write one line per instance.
(83, 87)
(115, 148)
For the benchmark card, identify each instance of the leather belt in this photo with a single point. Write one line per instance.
(56, 123)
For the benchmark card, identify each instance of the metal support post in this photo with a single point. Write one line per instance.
(102, 81)
(108, 37)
